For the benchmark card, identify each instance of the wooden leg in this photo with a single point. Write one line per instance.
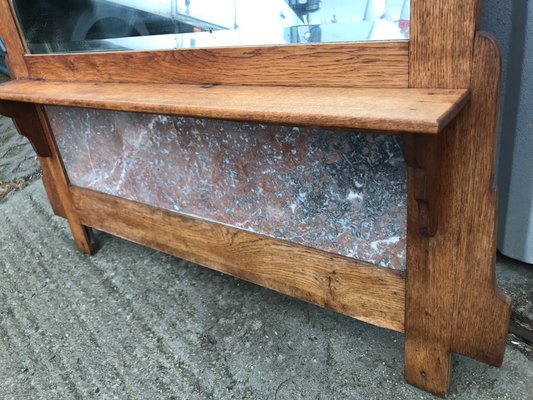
(452, 303)
(429, 299)
(57, 186)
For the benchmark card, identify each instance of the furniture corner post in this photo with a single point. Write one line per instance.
(421, 153)
(57, 186)
(429, 280)
(452, 302)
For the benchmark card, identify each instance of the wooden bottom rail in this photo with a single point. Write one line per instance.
(369, 293)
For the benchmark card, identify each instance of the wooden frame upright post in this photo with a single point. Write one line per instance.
(452, 303)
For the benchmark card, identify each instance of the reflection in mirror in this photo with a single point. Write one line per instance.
(52, 26)
(3, 64)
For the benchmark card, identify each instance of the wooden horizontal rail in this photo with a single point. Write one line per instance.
(361, 64)
(369, 293)
(384, 110)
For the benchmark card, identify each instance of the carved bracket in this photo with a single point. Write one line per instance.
(422, 157)
(28, 124)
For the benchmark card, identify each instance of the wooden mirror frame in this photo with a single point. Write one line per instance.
(447, 301)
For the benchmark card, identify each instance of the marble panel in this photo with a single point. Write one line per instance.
(342, 192)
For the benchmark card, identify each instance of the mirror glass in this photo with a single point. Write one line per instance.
(57, 26)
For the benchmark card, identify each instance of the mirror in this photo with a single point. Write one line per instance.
(57, 26)
(3, 64)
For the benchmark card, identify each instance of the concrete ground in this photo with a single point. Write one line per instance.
(133, 323)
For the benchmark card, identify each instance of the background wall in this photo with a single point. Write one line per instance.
(512, 24)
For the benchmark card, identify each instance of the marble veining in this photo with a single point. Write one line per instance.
(342, 192)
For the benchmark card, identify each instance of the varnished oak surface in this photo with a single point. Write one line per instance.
(384, 110)
(370, 293)
(360, 64)
(452, 301)
(442, 42)
(54, 171)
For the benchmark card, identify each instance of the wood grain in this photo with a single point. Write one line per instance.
(452, 303)
(442, 42)
(440, 56)
(366, 64)
(421, 154)
(451, 300)
(53, 165)
(481, 311)
(384, 110)
(11, 37)
(369, 293)
(51, 190)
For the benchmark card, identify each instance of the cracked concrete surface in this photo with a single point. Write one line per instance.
(17, 158)
(516, 278)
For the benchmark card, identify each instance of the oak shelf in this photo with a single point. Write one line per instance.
(408, 110)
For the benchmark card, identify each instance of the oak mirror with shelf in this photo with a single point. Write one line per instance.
(336, 151)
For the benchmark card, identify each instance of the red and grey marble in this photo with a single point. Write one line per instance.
(342, 192)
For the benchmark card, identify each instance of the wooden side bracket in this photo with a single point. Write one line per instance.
(481, 311)
(453, 304)
(26, 119)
